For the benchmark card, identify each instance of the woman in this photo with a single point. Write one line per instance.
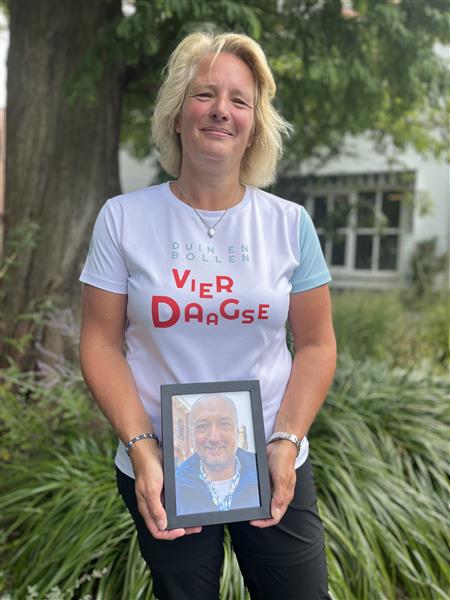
(199, 275)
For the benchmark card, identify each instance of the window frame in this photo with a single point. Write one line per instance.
(351, 186)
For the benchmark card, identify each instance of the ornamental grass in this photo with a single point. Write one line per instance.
(379, 448)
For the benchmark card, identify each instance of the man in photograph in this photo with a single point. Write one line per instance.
(219, 476)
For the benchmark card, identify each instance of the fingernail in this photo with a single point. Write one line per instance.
(276, 513)
(161, 524)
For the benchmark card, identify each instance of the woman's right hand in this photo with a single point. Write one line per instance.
(147, 466)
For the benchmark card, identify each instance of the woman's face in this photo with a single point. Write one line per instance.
(217, 115)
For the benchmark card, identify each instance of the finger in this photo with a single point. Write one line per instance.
(155, 521)
(168, 535)
(189, 530)
(279, 504)
(157, 513)
(155, 526)
(277, 510)
(145, 514)
(262, 523)
(154, 529)
(281, 498)
(267, 522)
(149, 503)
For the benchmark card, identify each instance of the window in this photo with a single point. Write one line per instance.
(359, 230)
(361, 219)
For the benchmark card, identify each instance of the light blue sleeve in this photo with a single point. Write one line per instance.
(312, 270)
(105, 266)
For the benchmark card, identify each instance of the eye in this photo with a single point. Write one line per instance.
(241, 102)
(201, 427)
(204, 95)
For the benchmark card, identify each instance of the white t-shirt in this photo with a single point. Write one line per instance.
(222, 488)
(199, 308)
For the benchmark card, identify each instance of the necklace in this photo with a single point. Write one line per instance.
(211, 231)
(225, 503)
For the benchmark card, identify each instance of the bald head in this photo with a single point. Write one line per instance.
(210, 401)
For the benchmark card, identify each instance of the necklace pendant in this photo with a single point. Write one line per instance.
(211, 232)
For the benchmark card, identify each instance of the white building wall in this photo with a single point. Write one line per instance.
(432, 184)
(135, 174)
(430, 215)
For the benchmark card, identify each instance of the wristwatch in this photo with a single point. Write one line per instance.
(284, 435)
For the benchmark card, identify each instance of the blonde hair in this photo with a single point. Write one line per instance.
(259, 162)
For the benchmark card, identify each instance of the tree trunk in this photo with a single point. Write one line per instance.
(62, 155)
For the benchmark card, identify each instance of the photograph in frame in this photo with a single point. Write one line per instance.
(214, 453)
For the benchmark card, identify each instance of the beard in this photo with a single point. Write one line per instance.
(220, 462)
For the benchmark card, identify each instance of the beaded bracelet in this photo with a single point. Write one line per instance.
(138, 438)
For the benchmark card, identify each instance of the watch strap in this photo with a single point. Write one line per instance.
(284, 435)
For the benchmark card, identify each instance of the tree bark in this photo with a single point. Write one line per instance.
(62, 155)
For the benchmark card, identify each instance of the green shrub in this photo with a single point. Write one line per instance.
(38, 412)
(364, 321)
(427, 264)
(65, 519)
(379, 450)
(393, 327)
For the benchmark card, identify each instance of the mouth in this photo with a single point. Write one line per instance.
(215, 450)
(217, 131)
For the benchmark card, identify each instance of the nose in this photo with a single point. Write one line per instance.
(214, 433)
(220, 110)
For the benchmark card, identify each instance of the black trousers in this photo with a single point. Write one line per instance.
(284, 562)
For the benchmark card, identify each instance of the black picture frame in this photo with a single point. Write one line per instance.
(171, 394)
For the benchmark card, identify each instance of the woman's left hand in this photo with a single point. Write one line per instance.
(281, 457)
